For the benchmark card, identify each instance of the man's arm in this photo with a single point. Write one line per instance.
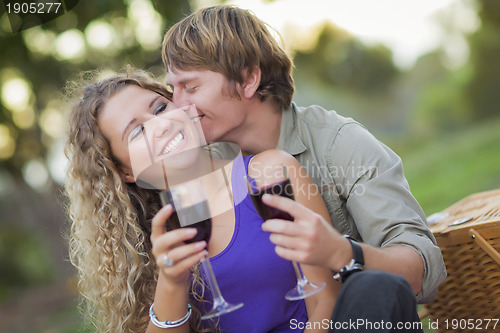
(313, 241)
(378, 207)
(385, 213)
(400, 260)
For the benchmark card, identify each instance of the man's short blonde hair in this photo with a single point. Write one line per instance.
(228, 40)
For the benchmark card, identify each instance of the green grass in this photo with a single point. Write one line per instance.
(444, 170)
(454, 166)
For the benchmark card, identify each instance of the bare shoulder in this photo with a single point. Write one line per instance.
(272, 158)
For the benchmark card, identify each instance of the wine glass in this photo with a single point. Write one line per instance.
(281, 187)
(190, 209)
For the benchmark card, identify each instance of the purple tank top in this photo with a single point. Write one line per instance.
(248, 270)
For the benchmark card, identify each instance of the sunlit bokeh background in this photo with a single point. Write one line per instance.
(423, 76)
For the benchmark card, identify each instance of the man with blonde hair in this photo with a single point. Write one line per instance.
(226, 61)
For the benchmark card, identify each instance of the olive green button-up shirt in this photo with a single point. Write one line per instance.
(363, 185)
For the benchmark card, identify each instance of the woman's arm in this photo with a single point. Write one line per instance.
(171, 300)
(319, 306)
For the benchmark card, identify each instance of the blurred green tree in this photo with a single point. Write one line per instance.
(342, 61)
(482, 89)
(35, 64)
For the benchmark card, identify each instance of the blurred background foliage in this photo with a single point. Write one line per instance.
(440, 115)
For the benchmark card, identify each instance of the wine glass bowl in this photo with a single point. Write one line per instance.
(196, 215)
(282, 188)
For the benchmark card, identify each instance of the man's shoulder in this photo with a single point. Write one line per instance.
(272, 158)
(319, 117)
(312, 127)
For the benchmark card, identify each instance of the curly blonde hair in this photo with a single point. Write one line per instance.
(109, 241)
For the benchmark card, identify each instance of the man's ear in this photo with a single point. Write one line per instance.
(251, 81)
(126, 174)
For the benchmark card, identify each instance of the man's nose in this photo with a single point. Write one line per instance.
(179, 99)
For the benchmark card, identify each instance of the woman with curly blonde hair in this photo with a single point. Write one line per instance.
(119, 234)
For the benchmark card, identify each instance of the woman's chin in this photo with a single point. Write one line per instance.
(184, 164)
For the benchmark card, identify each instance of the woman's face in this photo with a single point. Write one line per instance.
(144, 127)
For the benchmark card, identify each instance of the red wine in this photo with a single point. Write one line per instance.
(284, 189)
(203, 227)
(197, 213)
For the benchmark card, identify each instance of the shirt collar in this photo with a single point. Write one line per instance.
(290, 140)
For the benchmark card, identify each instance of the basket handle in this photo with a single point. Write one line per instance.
(483, 244)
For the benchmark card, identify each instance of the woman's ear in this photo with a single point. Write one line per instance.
(126, 174)
(251, 81)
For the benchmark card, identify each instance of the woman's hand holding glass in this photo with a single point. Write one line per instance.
(183, 256)
(191, 207)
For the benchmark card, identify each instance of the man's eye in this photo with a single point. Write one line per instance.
(136, 132)
(191, 89)
(161, 107)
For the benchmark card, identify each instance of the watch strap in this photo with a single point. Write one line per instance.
(357, 251)
(357, 264)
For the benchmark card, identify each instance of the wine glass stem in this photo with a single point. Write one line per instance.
(301, 278)
(212, 282)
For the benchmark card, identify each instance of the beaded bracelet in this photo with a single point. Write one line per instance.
(168, 323)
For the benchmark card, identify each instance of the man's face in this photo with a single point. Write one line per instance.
(222, 111)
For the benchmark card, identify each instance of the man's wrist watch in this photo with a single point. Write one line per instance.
(357, 264)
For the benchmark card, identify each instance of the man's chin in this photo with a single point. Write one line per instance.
(210, 138)
(207, 133)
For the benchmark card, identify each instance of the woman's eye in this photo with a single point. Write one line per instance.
(136, 132)
(161, 107)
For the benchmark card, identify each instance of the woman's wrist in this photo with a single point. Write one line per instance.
(170, 302)
(169, 323)
(171, 287)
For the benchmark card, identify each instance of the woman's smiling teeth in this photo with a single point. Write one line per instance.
(173, 144)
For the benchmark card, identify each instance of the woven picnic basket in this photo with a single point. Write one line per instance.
(471, 254)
